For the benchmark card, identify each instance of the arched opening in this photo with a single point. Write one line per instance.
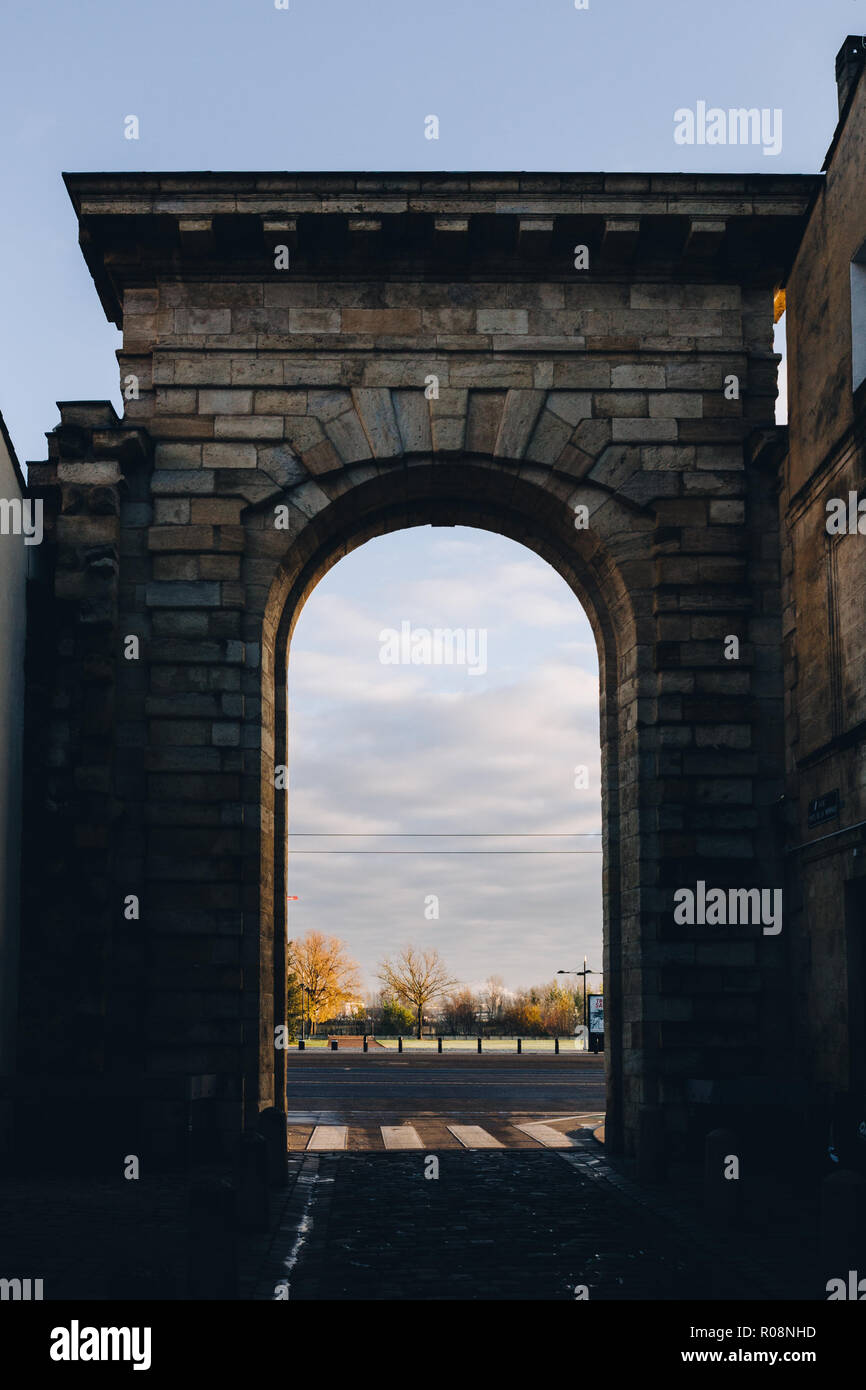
(444, 784)
(612, 593)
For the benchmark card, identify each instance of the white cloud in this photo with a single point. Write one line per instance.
(396, 749)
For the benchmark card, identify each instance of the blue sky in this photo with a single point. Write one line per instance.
(331, 84)
(334, 84)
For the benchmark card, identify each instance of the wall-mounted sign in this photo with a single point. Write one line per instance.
(824, 808)
(596, 1013)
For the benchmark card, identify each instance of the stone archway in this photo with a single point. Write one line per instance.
(431, 353)
(421, 492)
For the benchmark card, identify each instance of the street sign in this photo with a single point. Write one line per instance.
(596, 1013)
(823, 808)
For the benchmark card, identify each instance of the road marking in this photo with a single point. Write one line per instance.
(581, 1115)
(328, 1137)
(400, 1137)
(548, 1136)
(474, 1137)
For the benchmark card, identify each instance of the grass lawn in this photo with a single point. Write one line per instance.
(488, 1044)
(463, 1044)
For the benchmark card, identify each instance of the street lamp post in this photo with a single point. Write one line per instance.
(584, 972)
(292, 898)
(305, 1007)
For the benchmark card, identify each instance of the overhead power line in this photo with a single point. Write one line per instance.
(444, 835)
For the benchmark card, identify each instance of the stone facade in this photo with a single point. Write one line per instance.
(824, 622)
(312, 360)
(14, 561)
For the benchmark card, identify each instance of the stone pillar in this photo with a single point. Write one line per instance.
(76, 974)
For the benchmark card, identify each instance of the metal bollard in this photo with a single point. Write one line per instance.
(365, 1042)
(399, 1044)
(334, 1044)
(556, 1047)
(301, 1044)
(479, 1044)
(438, 1044)
(519, 1045)
(212, 1257)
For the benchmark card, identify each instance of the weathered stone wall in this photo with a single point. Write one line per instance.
(257, 389)
(825, 626)
(13, 608)
(821, 407)
(78, 972)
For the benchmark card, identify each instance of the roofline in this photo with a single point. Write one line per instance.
(843, 118)
(516, 180)
(16, 466)
(120, 208)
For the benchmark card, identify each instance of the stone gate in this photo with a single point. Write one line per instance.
(583, 363)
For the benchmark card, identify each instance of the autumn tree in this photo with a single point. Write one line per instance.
(417, 977)
(329, 976)
(558, 1009)
(522, 1014)
(459, 1012)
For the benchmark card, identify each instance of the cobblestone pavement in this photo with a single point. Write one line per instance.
(524, 1223)
(514, 1224)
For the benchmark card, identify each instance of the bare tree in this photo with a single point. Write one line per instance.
(493, 997)
(328, 974)
(418, 977)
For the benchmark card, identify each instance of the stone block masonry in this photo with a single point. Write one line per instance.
(408, 376)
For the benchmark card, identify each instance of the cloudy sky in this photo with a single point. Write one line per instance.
(381, 751)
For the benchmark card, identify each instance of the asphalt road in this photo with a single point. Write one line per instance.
(366, 1091)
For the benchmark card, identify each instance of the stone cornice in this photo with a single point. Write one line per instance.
(138, 228)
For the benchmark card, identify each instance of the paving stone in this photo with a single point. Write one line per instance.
(525, 1225)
